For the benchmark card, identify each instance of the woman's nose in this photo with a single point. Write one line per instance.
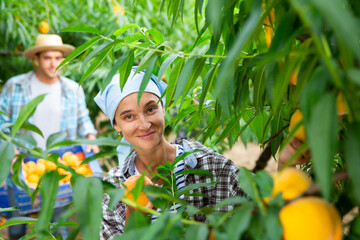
(144, 123)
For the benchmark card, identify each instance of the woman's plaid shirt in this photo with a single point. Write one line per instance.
(224, 172)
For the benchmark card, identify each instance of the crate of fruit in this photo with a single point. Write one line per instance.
(33, 168)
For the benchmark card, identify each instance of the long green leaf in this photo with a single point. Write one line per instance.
(121, 30)
(97, 62)
(322, 140)
(147, 76)
(172, 82)
(88, 195)
(156, 35)
(183, 79)
(98, 141)
(166, 64)
(18, 220)
(55, 138)
(125, 68)
(228, 67)
(239, 222)
(81, 28)
(196, 71)
(7, 153)
(207, 83)
(352, 155)
(49, 188)
(249, 186)
(79, 50)
(26, 112)
(194, 186)
(113, 71)
(234, 122)
(343, 22)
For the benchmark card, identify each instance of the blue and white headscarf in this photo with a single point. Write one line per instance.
(109, 99)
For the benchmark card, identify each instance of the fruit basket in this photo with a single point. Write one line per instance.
(33, 168)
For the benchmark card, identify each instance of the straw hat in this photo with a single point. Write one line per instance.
(45, 42)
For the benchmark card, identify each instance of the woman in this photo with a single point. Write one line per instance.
(142, 125)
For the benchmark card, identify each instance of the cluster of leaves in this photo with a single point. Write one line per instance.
(249, 219)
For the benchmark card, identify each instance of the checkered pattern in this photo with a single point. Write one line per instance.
(75, 116)
(224, 171)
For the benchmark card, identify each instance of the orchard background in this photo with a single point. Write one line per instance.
(236, 72)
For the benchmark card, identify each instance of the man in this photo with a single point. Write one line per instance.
(62, 110)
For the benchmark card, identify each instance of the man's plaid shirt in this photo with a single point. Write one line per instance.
(75, 120)
(224, 172)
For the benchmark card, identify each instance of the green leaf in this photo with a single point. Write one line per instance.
(18, 220)
(49, 188)
(200, 172)
(88, 196)
(99, 141)
(158, 192)
(7, 154)
(115, 196)
(233, 124)
(79, 50)
(322, 140)
(134, 38)
(207, 83)
(26, 112)
(196, 71)
(9, 209)
(147, 75)
(97, 62)
(352, 156)
(136, 220)
(121, 30)
(55, 138)
(273, 225)
(166, 64)
(125, 68)
(227, 68)
(343, 22)
(198, 232)
(265, 183)
(190, 187)
(248, 184)
(113, 71)
(81, 28)
(183, 79)
(3, 113)
(172, 82)
(239, 222)
(232, 201)
(156, 35)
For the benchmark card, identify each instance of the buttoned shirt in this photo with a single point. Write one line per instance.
(223, 170)
(75, 120)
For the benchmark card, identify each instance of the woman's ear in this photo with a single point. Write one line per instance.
(116, 127)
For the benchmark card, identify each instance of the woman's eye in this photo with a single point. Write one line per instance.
(152, 109)
(128, 117)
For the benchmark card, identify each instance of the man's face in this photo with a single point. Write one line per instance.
(48, 62)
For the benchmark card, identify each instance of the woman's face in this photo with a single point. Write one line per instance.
(142, 125)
